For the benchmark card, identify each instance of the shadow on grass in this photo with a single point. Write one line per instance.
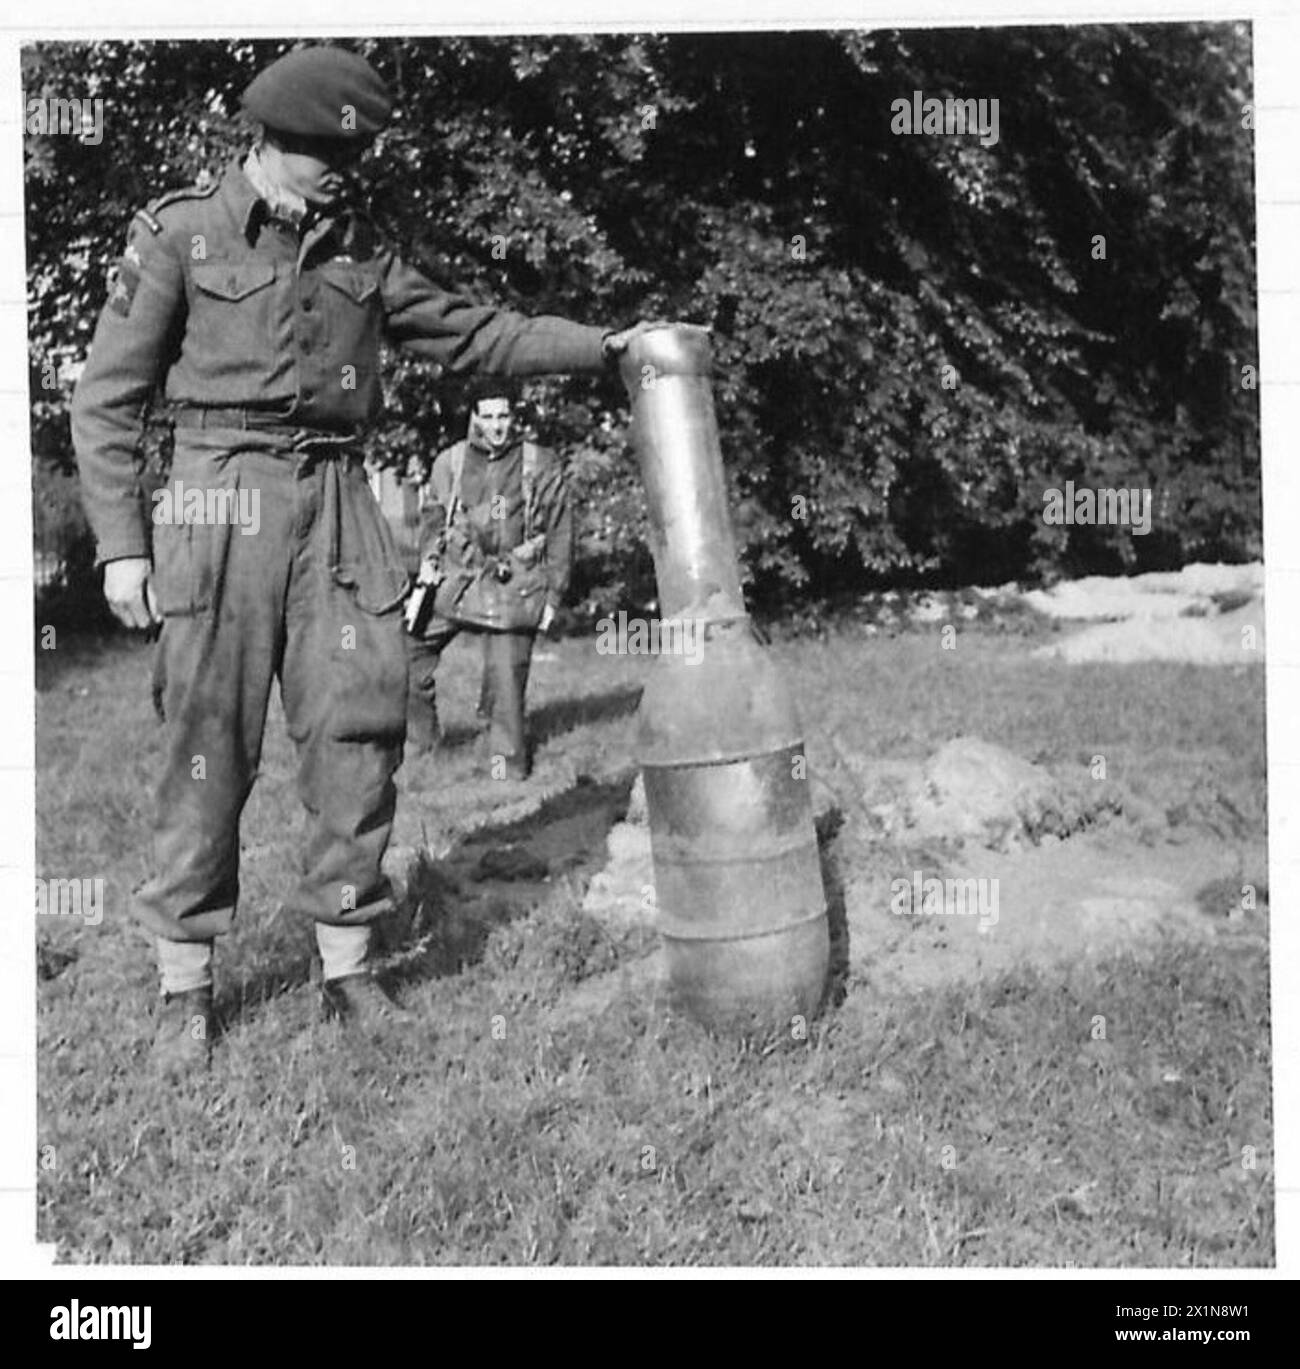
(553, 719)
(563, 715)
(451, 906)
(75, 651)
(829, 824)
(456, 735)
(496, 874)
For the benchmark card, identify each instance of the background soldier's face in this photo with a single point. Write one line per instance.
(494, 423)
(315, 168)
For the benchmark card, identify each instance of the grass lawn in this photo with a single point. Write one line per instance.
(528, 1121)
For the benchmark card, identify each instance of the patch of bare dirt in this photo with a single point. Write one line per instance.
(1088, 896)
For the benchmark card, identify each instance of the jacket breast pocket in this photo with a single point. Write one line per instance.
(233, 311)
(353, 320)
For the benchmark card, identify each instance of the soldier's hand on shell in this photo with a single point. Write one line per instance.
(615, 344)
(128, 589)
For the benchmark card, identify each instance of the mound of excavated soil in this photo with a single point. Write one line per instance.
(1196, 589)
(973, 791)
(1199, 590)
(1201, 615)
(1234, 638)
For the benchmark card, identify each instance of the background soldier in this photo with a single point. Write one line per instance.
(258, 303)
(496, 538)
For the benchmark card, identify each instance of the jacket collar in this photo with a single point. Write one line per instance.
(279, 201)
(244, 203)
(247, 204)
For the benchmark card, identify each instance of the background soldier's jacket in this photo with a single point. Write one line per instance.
(483, 481)
(222, 305)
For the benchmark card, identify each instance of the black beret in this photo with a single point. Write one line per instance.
(311, 92)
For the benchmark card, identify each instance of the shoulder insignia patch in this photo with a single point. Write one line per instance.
(121, 291)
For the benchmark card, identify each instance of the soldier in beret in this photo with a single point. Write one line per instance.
(257, 304)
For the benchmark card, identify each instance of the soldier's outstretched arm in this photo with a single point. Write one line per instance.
(133, 343)
(464, 337)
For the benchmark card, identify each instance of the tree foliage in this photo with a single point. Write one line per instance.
(753, 182)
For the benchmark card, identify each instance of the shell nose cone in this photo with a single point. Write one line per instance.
(678, 349)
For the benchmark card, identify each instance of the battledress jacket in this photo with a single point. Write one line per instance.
(222, 305)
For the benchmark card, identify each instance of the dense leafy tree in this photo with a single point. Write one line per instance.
(754, 182)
